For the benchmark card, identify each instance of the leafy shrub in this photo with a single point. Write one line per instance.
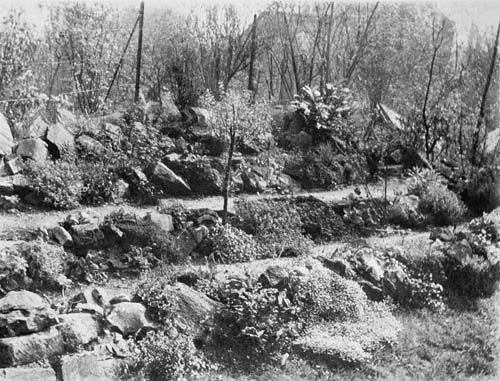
(98, 179)
(404, 212)
(441, 204)
(46, 263)
(57, 184)
(333, 298)
(319, 220)
(421, 179)
(326, 111)
(274, 223)
(87, 268)
(471, 276)
(150, 293)
(166, 358)
(482, 191)
(229, 244)
(257, 319)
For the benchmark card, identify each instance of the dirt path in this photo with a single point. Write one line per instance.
(11, 223)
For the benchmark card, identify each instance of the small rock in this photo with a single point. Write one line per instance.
(120, 298)
(62, 236)
(90, 145)
(88, 235)
(372, 292)
(274, 276)
(14, 165)
(128, 318)
(120, 190)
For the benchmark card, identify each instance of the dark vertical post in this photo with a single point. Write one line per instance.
(251, 85)
(139, 54)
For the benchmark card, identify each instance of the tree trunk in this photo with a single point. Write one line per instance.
(475, 144)
(227, 176)
(251, 85)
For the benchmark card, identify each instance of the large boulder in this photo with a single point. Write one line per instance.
(61, 138)
(24, 312)
(26, 349)
(192, 309)
(170, 182)
(35, 149)
(83, 328)
(23, 374)
(37, 129)
(89, 145)
(199, 115)
(14, 184)
(6, 138)
(87, 235)
(203, 174)
(128, 318)
(169, 109)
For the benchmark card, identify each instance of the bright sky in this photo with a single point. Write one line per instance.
(484, 13)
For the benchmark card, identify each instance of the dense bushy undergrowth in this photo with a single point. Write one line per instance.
(274, 223)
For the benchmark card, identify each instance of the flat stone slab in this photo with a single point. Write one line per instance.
(27, 374)
(26, 349)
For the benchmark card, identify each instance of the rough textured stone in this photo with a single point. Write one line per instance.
(35, 149)
(27, 374)
(199, 115)
(26, 349)
(274, 275)
(6, 139)
(163, 220)
(13, 272)
(37, 129)
(90, 145)
(128, 318)
(168, 107)
(83, 327)
(170, 182)
(60, 137)
(372, 292)
(112, 131)
(87, 235)
(14, 165)
(62, 236)
(120, 190)
(24, 312)
(191, 308)
(87, 366)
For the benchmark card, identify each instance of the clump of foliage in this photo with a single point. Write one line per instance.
(87, 268)
(326, 111)
(333, 298)
(46, 263)
(228, 244)
(257, 319)
(98, 179)
(436, 201)
(351, 343)
(151, 293)
(472, 276)
(13, 274)
(57, 184)
(274, 223)
(482, 192)
(319, 220)
(167, 358)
